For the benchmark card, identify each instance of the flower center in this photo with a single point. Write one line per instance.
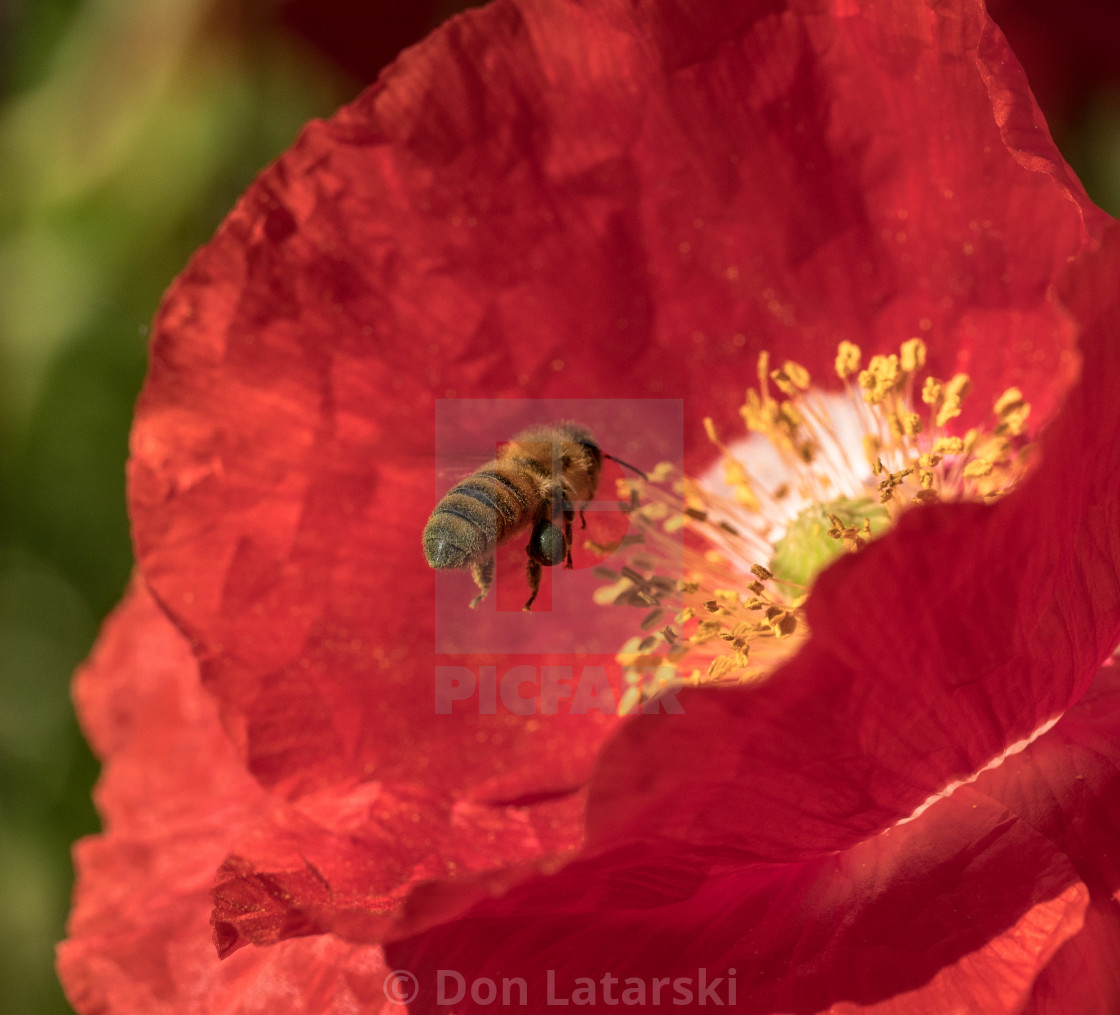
(821, 474)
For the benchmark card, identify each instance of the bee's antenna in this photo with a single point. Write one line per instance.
(627, 465)
(595, 449)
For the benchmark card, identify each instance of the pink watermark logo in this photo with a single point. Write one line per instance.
(527, 689)
(470, 435)
(699, 988)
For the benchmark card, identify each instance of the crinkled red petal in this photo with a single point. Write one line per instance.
(998, 898)
(962, 908)
(1067, 787)
(344, 863)
(174, 796)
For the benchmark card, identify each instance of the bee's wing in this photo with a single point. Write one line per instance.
(452, 468)
(448, 469)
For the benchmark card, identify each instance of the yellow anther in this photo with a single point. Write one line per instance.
(976, 468)
(948, 446)
(950, 410)
(720, 666)
(745, 497)
(710, 430)
(783, 382)
(850, 534)
(886, 486)
(894, 479)
(761, 573)
(673, 524)
(1013, 423)
(908, 424)
(606, 594)
(958, 386)
(911, 424)
(706, 631)
(955, 392)
(1012, 411)
(847, 359)
(797, 374)
(1011, 399)
(932, 392)
(879, 379)
(992, 449)
(913, 355)
(783, 624)
(734, 473)
(758, 414)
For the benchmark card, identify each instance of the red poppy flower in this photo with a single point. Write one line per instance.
(610, 205)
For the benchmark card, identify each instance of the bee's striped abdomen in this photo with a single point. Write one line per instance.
(477, 514)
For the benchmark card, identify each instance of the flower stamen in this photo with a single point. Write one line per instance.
(830, 474)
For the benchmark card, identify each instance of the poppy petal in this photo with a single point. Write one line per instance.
(173, 794)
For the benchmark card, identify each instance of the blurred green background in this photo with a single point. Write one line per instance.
(127, 130)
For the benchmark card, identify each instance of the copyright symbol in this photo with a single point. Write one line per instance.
(400, 986)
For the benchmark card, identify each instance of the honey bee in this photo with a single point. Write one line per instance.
(540, 480)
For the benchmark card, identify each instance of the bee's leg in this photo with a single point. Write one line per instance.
(483, 574)
(533, 570)
(582, 520)
(568, 516)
